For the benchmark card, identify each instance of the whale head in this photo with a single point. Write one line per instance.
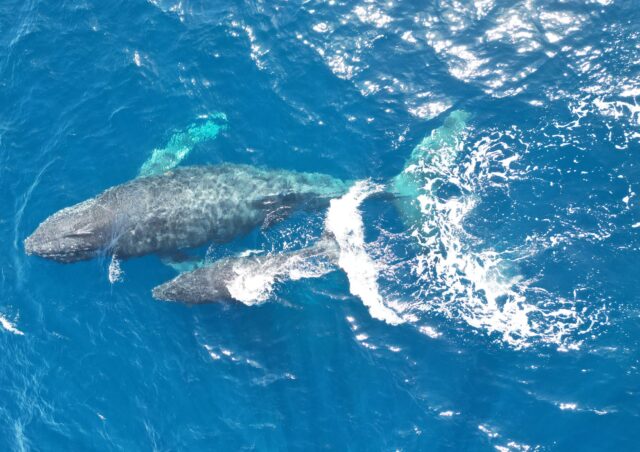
(204, 285)
(72, 234)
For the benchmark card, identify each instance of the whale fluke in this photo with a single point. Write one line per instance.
(423, 170)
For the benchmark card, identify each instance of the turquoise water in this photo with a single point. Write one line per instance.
(502, 315)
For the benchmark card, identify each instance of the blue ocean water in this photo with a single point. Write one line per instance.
(515, 307)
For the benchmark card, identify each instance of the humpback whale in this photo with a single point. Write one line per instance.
(420, 176)
(182, 208)
(215, 282)
(166, 209)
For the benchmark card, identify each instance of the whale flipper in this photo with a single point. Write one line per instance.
(181, 144)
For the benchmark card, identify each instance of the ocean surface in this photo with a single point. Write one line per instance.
(505, 316)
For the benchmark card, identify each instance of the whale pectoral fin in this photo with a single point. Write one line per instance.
(175, 256)
(185, 266)
(181, 261)
(275, 216)
(277, 208)
(274, 202)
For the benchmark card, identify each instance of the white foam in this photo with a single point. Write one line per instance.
(429, 331)
(568, 406)
(254, 281)
(345, 222)
(251, 287)
(321, 27)
(10, 327)
(215, 356)
(115, 271)
(467, 280)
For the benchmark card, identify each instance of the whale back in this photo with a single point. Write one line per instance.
(191, 206)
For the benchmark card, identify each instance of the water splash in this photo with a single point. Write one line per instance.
(460, 276)
(115, 271)
(344, 221)
(256, 276)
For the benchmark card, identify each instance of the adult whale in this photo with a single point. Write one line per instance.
(183, 208)
(423, 174)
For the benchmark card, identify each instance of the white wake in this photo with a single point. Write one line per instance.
(344, 221)
(463, 278)
(255, 278)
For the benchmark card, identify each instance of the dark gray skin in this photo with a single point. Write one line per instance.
(211, 284)
(183, 208)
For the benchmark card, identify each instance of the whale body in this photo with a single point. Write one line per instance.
(233, 278)
(183, 208)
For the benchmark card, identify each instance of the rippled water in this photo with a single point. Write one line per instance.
(503, 314)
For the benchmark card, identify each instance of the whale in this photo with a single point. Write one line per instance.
(185, 207)
(421, 176)
(167, 209)
(228, 278)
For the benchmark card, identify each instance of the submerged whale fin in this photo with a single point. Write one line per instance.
(431, 158)
(181, 261)
(181, 144)
(276, 216)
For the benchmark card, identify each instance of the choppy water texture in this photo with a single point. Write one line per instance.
(504, 314)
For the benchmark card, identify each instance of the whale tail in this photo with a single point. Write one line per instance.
(429, 161)
(181, 144)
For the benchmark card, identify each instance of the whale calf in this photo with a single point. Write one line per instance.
(183, 208)
(243, 278)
